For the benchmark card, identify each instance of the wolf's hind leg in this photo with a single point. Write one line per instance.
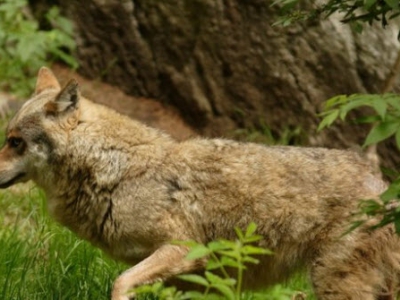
(355, 275)
(165, 262)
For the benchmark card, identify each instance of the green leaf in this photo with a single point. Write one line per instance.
(370, 207)
(252, 250)
(368, 4)
(213, 264)
(357, 27)
(393, 100)
(381, 132)
(194, 279)
(198, 251)
(158, 289)
(225, 290)
(354, 225)
(239, 233)
(30, 46)
(193, 295)
(229, 262)
(391, 193)
(252, 239)
(380, 107)
(251, 229)
(394, 4)
(334, 101)
(228, 244)
(328, 119)
(215, 279)
(217, 245)
(212, 278)
(252, 260)
(367, 119)
(143, 289)
(169, 293)
(232, 253)
(356, 101)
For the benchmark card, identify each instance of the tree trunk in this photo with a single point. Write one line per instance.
(223, 65)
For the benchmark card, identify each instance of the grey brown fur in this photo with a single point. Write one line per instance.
(130, 190)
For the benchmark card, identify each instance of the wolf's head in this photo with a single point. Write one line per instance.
(46, 118)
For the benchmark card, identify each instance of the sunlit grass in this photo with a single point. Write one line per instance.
(42, 260)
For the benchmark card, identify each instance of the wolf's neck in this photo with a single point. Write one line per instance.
(101, 122)
(98, 157)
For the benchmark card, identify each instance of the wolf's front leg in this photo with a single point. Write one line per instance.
(167, 261)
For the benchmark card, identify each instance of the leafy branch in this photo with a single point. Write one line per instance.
(355, 12)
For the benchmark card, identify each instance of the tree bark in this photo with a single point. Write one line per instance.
(223, 65)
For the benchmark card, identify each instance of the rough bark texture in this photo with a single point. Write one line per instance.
(223, 65)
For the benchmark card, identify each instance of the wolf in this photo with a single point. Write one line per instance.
(130, 190)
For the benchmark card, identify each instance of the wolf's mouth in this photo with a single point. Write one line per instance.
(12, 181)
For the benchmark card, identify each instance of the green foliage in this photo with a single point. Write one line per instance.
(386, 124)
(263, 134)
(24, 48)
(355, 12)
(386, 116)
(223, 257)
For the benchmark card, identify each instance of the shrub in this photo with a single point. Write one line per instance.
(24, 47)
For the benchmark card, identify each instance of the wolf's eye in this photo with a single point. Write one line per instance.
(14, 142)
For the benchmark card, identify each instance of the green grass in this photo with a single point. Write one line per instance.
(41, 260)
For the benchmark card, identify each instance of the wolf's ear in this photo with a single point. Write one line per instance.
(46, 80)
(66, 99)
